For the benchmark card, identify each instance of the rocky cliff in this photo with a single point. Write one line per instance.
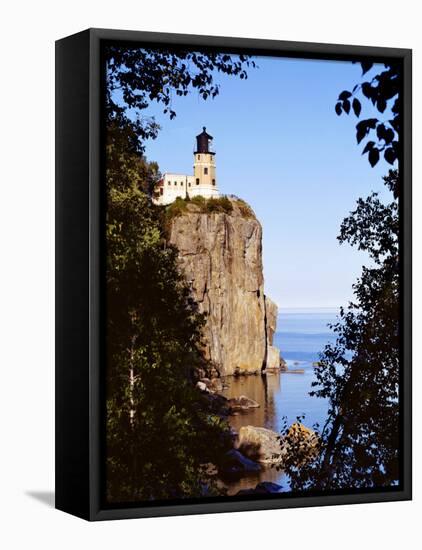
(221, 255)
(273, 353)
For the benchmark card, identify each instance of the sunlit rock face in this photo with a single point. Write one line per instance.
(221, 256)
(273, 353)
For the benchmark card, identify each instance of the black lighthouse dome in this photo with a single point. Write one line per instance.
(203, 142)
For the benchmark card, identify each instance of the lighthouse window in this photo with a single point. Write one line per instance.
(205, 170)
(175, 183)
(199, 157)
(213, 182)
(189, 184)
(169, 182)
(181, 183)
(197, 181)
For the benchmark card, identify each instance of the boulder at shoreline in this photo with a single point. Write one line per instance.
(242, 403)
(269, 447)
(260, 444)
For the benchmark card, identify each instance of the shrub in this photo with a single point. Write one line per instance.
(206, 206)
(176, 208)
(245, 209)
(221, 204)
(199, 200)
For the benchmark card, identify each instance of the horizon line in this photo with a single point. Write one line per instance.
(308, 308)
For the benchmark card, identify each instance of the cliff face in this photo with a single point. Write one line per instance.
(221, 256)
(273, 353)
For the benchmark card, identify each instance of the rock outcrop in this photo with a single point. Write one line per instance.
(221, 255)
(269, 447)
(260, 444)
(242, 403)
(273, 353)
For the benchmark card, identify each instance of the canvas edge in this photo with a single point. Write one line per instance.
(295, 49)
(72, 369)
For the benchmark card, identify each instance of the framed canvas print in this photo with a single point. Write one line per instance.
(233, 274)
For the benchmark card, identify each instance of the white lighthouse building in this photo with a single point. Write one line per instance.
(203, 182)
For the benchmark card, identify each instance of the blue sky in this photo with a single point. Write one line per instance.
(281, 147)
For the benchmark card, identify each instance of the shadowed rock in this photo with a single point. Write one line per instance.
(235, 465)
(263, 488)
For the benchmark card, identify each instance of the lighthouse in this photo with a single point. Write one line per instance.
(203, 182)
(204, 163)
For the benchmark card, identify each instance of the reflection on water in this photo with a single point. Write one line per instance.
(251, 480)
(265, 390)
(303, 334)
(279, 395)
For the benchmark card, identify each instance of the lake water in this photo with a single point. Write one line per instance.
(301, 335)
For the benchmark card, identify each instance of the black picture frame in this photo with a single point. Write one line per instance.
(79, 264)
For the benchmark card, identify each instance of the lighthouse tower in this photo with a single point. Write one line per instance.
(204, 178)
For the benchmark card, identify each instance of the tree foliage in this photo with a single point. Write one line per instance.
(359, 373)
(383, 91)
(127, 169)
(160, 429)
(136, 77)
(358, 447)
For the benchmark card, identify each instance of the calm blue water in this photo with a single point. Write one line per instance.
(300, 336)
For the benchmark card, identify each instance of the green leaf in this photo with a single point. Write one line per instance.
(373, 156)
(344, 95)
(381, 104)
(367, 90)
(346, 106)
(366, 66)
(357, 107)
(390, 155)
(368, 147)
